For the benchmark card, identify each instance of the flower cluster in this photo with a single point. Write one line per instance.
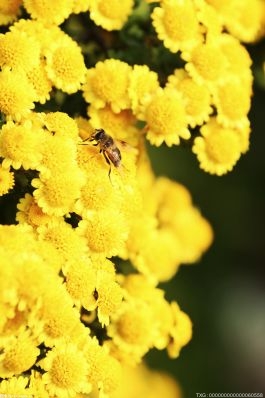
(94, 230)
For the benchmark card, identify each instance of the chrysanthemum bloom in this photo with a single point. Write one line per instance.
(15, 385)
(9, 11)
(65, 64)
(66, 371)
(196, 97)
(232, 100)
(107, 84)
(181, 331)
(218, 149)
(7, 180)
(42, 85)
(19, 356)
(20, 145)
(209, 18)
(48, 11)
(110, 15)
(176, 24)
(166, 118)
(80, 6)
(60, 124)
(16, 94)
(18, 50)
(143, 83)
(29, 212)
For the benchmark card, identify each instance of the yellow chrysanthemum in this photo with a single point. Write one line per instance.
(196, 96)
(48, 11)
(15, 385)
(110, 15)
(37, 386)
(120, 125)
(166, 118)
(105, 231)
(20, 145)
(9, 11)
(80, 6)
(65, 64)
(107, 84)
(29, 212)
(42, 85)
(206, 64)
(232, 100)
(7, 180)
(66, 371)
(177, 25)
(209, 18)
(61, 125)
(218, 149)
(19, 356)
(18, 50)
(16, 94)
(181, 331)
(143, 83)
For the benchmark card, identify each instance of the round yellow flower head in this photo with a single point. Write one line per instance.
(166, 118)
(176, 24)
(9, 11)
(29, 212)
(143, 83)
(218, 149)
(7, 180)
(48, 11)
(16, 94)
(107, 84)
(15, 385)
(65, 64)
(18, 50)
(66, 370)
(111, 15)
(20, 145)
(61, 125)
(232, 100)
(19, 356)
(196, 96)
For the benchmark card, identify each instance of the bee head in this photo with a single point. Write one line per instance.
(98, 134)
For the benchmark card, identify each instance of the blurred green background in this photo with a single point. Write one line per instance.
(224, 294)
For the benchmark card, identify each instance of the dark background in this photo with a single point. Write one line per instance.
(224, 293)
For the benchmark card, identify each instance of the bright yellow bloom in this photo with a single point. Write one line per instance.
(166, 118)
(110, 15)
(42, 85)
(29, 212)
(48, 11)
(20, 145)
(80, 6)
(7, 180)
(9, 11)
(143, 83)
(232, 100)
(18, 50)
(176, 24)
(16, 94)
(218, 149)
(196, 97)
(65, 64)
(66, 371)
(61, 125)
(180, 333)
(19, 356)
(15, 385)
(210, 19)
(107, 84)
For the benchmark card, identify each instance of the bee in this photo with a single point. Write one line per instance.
(107, 147)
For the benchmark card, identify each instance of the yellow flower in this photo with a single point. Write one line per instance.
(20, 145)
(9, 11)
(29, 212)
(80, 6)
(206, 64)
(16, 94)
(15, 385)
(210, 19)
(39, 80)
(19, 355)
(110, 15)
(107, 84)
(18, 50)
(65, 64)
(7, 180)
(166, 118)
(218, 149)
(37, 386)
(176, 24)
(181, 331)
(61, 125)
(143, 83)
(48, 11)
(66, 371)
(232, 100)
(196, 96)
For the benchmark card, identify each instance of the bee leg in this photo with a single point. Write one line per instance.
(108, 161)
